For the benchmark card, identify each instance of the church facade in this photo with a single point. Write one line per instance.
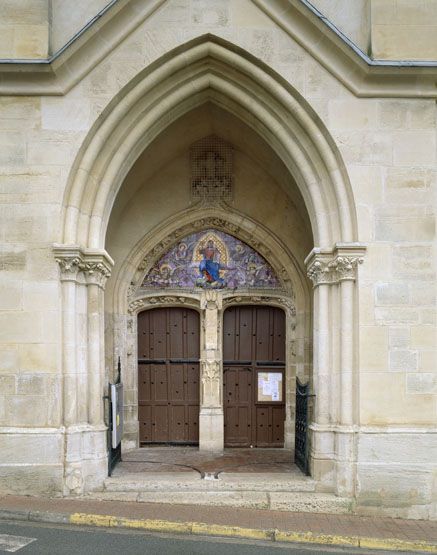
(228, 196)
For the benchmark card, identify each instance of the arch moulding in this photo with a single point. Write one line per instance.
(208, 69)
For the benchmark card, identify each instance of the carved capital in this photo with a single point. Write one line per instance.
(69, 266)
(319, 272)
(211, 299)
(93, 264)
(345, 267)
(210, 371)
(340, 264)
(96, 273)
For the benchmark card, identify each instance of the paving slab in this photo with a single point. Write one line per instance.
(369, 532)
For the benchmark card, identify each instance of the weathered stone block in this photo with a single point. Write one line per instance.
(32, 384)
(12, 260)
(9, 359)
(12, 148)
(31, 41)
(31, 479)
(408, 179)
(11, 295)
(7, 385)
(414, 148)
(403, 361)
(421, 382)
(424, 337)
(32, 448)
(350, 114)
(399, 338)
(405, 228)
(396, 315)
(374, 348)
(41, 295)
(413, 262)
(392, 294)
(61, 114)
(26, 410)
(422, 294)
(210, 12)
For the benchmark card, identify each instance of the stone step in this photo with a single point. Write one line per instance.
(309, 502)
(226, 482)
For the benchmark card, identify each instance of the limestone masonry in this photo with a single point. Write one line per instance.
(327, 113)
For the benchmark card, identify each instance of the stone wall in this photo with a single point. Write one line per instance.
(404, 29)
(351, 17)
(68, 18)
(24, 29)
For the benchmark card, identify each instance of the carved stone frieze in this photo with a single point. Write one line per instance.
(161, 300)
(262, 299)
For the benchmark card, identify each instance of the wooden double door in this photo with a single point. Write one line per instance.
(254, 376)
(168, 376)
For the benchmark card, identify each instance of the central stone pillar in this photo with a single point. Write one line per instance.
(211, 422)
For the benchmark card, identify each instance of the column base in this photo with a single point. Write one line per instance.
(211, 430)
(86, 459)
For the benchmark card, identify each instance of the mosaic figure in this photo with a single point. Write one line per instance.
(209, 267)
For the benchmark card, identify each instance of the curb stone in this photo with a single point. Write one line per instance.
(203, 529)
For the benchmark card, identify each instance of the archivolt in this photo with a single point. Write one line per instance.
(208, 69)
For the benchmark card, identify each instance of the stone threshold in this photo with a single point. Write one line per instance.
(280, 491)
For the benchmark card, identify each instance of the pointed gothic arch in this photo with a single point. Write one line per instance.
(208, 69)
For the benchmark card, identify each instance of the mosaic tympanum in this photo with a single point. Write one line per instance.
(211, 259)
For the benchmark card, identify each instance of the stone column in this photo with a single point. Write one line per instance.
(211, 422)
(319, 273)
(85, 463)
(345, 269)
(69, 264)
(96, 274)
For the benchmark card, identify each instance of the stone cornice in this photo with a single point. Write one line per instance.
(96, 265)
(361, 75)
(340, 264)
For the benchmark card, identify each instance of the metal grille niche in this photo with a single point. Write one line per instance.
(211, 169)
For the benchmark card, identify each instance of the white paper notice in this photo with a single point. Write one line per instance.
(267, 388)
(275, 396)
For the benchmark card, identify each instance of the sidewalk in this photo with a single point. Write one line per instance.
(343, 530)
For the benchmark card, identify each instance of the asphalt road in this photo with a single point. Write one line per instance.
(45, 539)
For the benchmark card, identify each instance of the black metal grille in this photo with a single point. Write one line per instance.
(211, 169)
(301, 438)
(114, 455)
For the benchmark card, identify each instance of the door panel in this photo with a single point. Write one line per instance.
(253, 339)
(168, 376)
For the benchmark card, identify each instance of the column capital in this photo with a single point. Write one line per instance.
(96, 265)
(211, 299)
(336, 265)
